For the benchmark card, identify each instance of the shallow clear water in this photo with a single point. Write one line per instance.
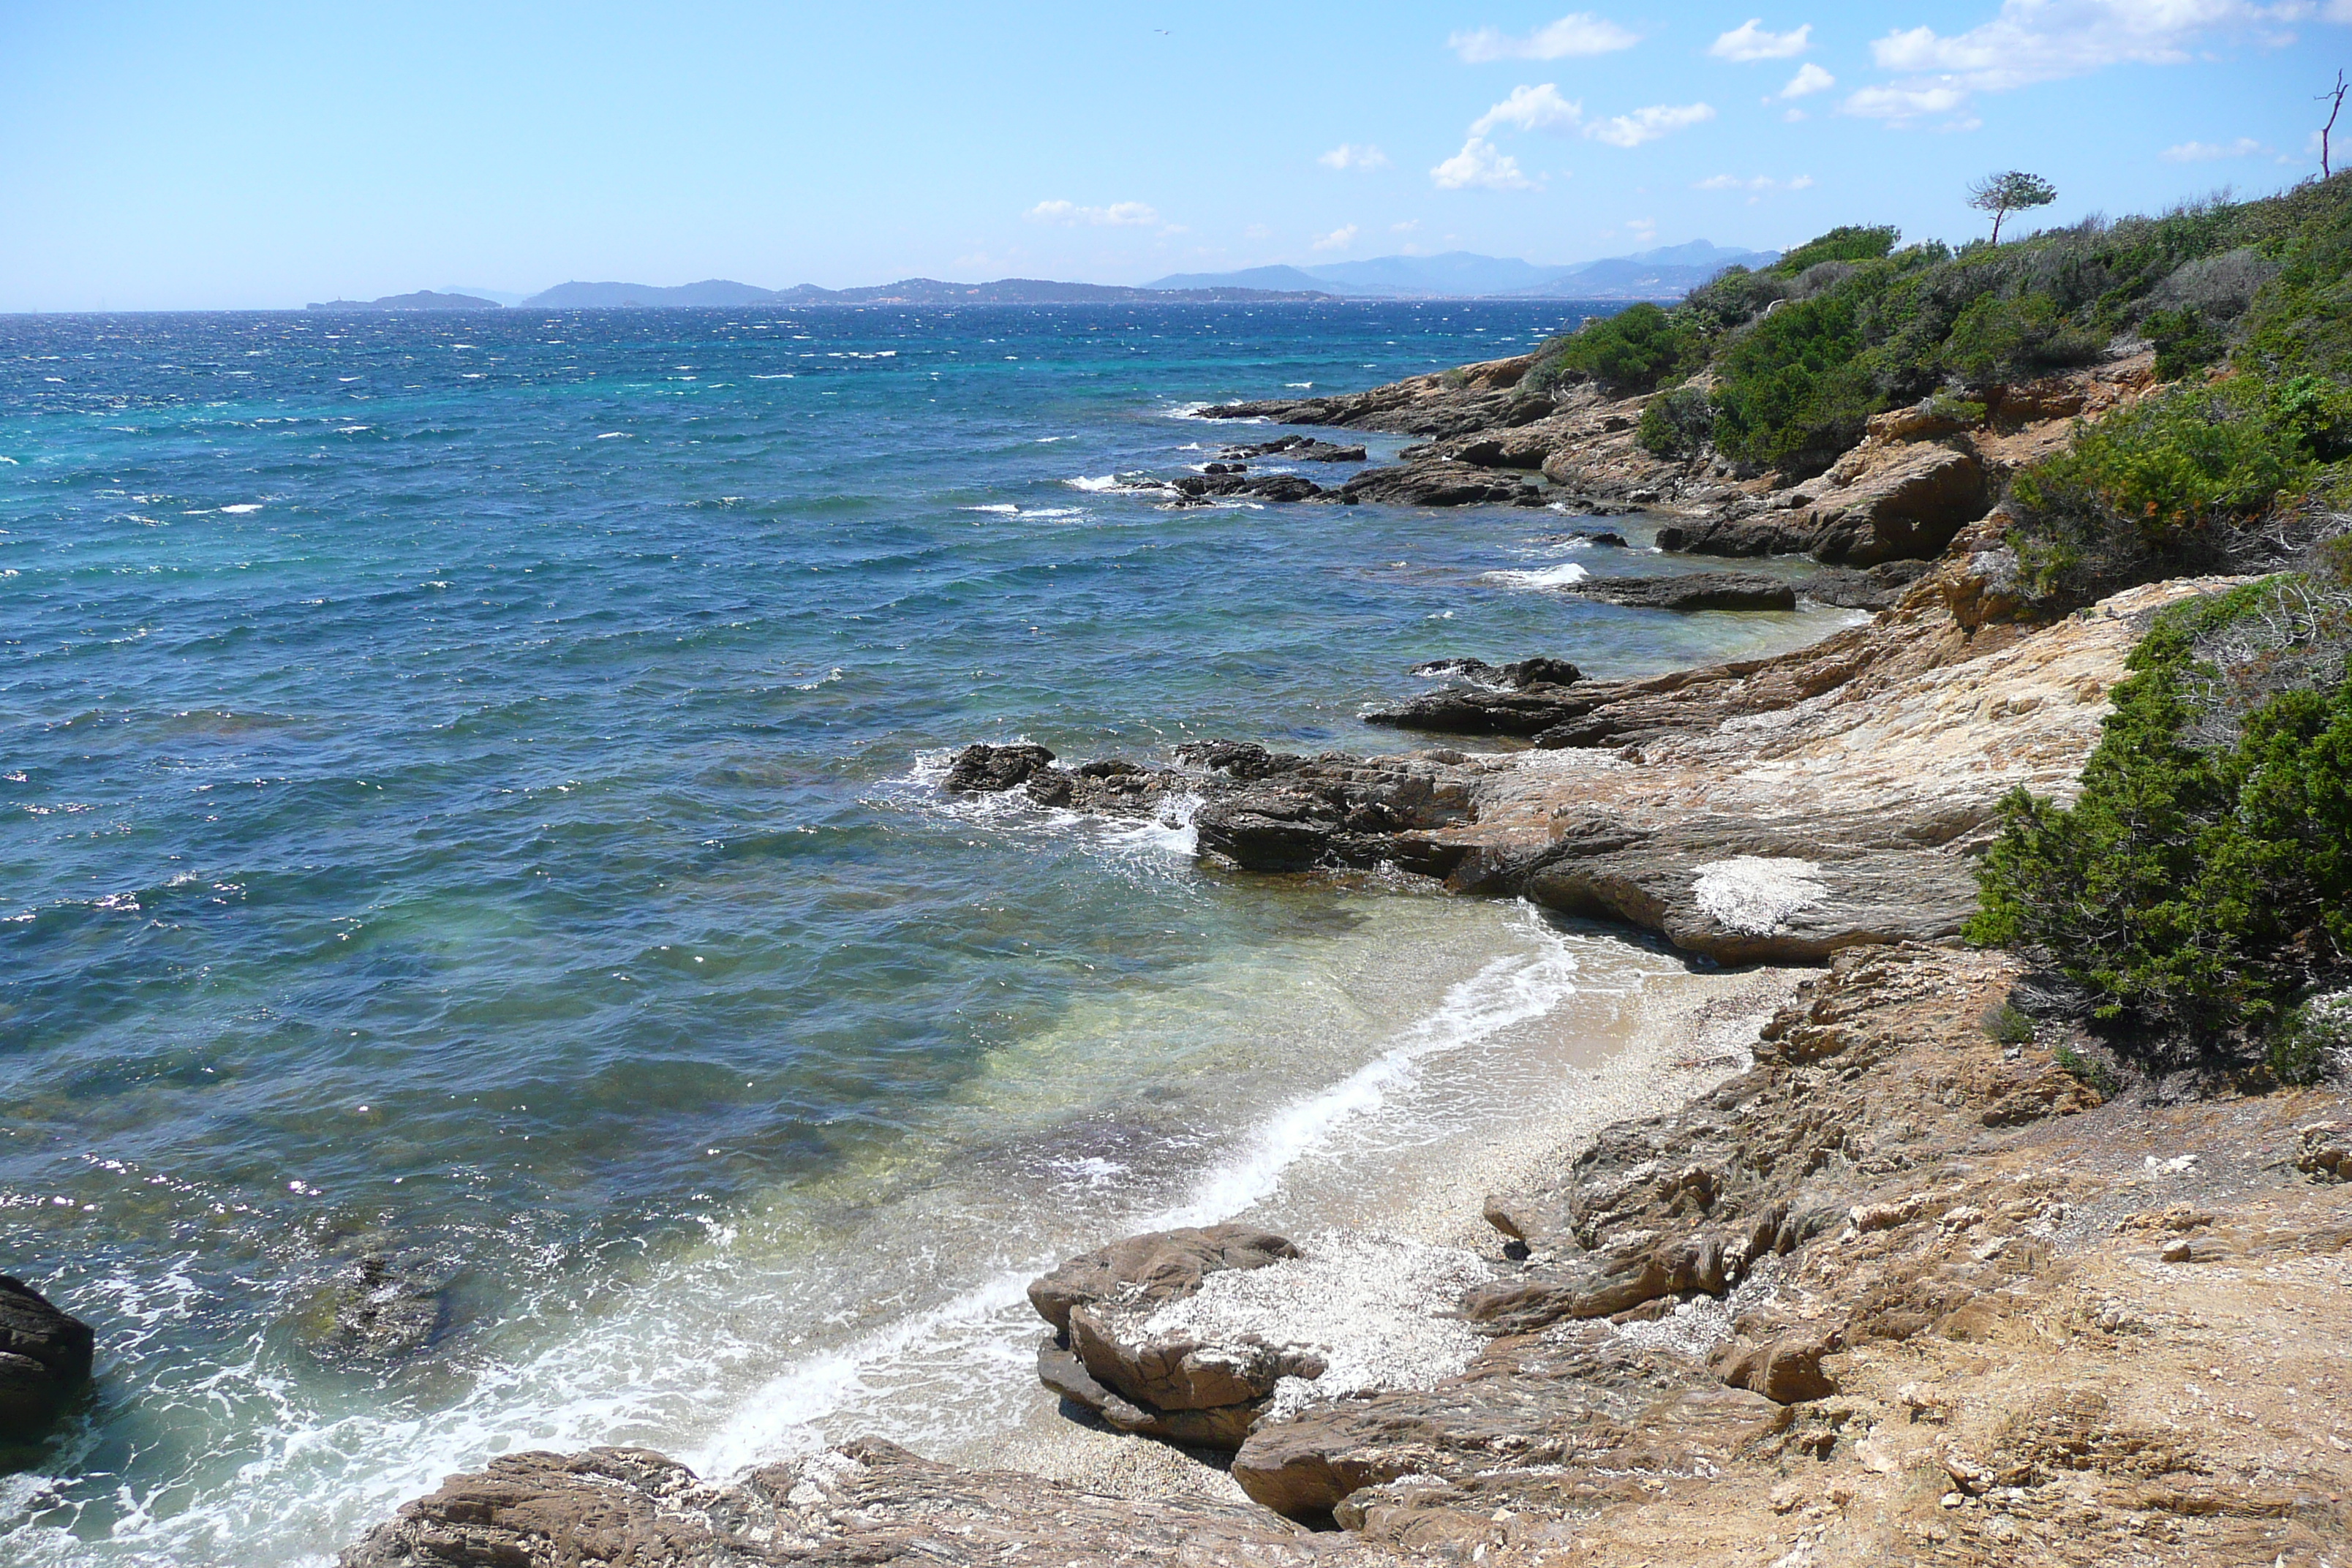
(468, 795)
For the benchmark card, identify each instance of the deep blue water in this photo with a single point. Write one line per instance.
(466, 788)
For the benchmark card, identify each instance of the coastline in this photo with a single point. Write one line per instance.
(1690, 1030)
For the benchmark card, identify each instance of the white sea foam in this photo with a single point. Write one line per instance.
(1003, 509)
(1509, 991)
(1559, 577)
(1103, 482)
(242, 508)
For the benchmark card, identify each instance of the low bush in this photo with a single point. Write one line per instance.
(1676, 424)
(2196, 888)
(1788, 393)
(2151, 489)
(2185, 342)
(2015, 338)
(1851, 242)
(1632, 350)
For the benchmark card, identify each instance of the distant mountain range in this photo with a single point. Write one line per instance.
(1666, 273)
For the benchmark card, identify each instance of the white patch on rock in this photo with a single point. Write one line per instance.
(1756, 894)
(1374, 1307)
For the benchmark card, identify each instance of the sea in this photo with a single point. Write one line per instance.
(470, 805)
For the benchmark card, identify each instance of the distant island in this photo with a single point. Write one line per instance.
(423, 300)
(1666, 273)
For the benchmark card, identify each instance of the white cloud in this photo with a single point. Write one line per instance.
(1903, 104)
(1643, 228)
(2207, 151)
(1809, 79)
(1749, 41)
(1339, 238)
(1409, 224)
(1478, 165)
(1347, 155)
(1648, 124)
(2048, 40)
(2043, 40)
(1760, 182)
(1119, 215)
(1530, 109)
(1580, 33)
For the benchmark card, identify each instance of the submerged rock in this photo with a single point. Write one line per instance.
(380, 1311)
(44, 1357)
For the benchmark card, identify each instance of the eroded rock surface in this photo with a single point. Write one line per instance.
(1692, 591)
(866, 1504)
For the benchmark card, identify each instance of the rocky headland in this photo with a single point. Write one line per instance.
(1906, 1260)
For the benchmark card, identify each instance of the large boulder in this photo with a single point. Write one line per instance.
(1109, 1354)
(1902, 502)
(1159, 1266)
(45, 1356)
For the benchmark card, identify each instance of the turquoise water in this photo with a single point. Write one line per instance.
(468, 795)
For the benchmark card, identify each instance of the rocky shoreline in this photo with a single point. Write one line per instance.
(1908, 1273)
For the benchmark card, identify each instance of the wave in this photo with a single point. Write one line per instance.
(1559, 577)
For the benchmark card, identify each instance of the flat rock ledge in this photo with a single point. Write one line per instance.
(862, 1504)
(1771, 810)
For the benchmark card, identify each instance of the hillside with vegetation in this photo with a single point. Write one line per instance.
(2199, 892)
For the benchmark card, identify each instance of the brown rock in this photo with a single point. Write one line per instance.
(1787, 1372)
(1158, 1267)
(868, 1504)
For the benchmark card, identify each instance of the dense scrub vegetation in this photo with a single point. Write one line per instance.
(1803, 352)
(2200, 888)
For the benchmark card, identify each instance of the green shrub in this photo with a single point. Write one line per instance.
(2311, 1039)
(2151, 488)
(2006, 1026)
(2185, 342)
(1676, 424)
(1788, 394)
(1849, 242)
(2000, 339)
(2088, 1070)
(1632, 350)
(2192, 888)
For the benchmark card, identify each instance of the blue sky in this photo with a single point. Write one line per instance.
(195, 155)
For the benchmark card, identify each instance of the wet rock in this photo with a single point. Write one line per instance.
(1518, 675)
(1269, 829)
(1872, 588)
(1437, 484)
(44, 1357)
(987, 770)
(1692, 591)
(1296, 448)
(1239, 759)
(380, 1311)
(1260, 486)
(864, 1503)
